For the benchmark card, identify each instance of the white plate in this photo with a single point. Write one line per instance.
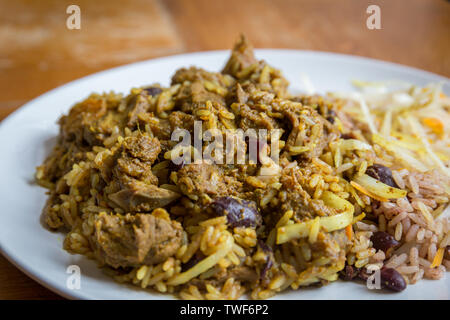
(29, 133)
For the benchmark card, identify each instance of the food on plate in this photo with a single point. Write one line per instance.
(359, 184)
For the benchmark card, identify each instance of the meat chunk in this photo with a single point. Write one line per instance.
(307, 130)
(198, 87)
(298, 200)
(181, 120)
(161, 129)
(134, 159)
(138, 196)
(200, 95)
(133, 186)
(193, 74)
(139, 105)
(241, 273)
(78, 126)
(143, 147)
(133, 240)
(197, 179)
(132, 167)
(255, 119)
(90, 122)
(242, 57)
(244, 66)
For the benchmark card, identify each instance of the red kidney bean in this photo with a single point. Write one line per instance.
(384, 241)
(391, 279)
(381, 173)
(240, 213)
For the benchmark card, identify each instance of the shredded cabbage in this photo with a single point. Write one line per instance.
(411, 123)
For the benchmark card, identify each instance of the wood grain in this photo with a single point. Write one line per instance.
(42, 53)
(38, 52)
(16, 285)
(414, 32)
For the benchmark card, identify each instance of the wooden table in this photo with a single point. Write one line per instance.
(38, 52)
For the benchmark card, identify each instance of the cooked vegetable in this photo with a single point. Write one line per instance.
(402, 154)
(358, 218)
(434, 124)
(353, 144)
(437, 260)
(366, 113)
(205, 264)
(376, 189)
(415, 125)
(331, 223)
(349, 232)
(314, 230)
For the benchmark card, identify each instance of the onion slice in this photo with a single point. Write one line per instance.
(205, 264)
(353, 144)
(376, 189)
(331, 223)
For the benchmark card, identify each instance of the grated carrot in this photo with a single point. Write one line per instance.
(438, 258)
(434, 124)
(349, 232)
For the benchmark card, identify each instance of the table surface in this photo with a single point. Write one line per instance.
(38, 52)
